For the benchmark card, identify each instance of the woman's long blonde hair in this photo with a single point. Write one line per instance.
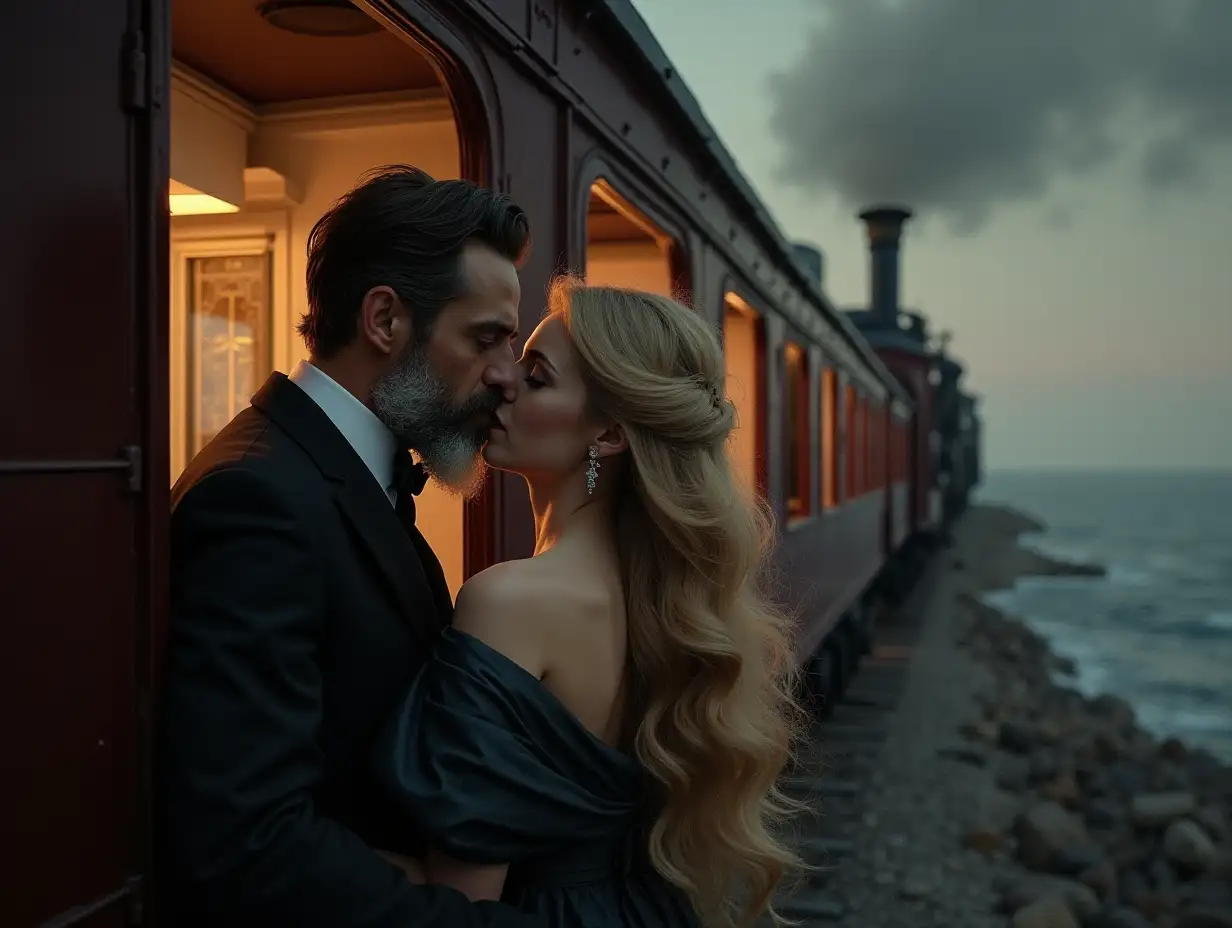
(710, 670)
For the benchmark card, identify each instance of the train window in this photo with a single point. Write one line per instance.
(895, 466)
(866, 446)
(851, 431)
(904, 451)
(261, 145)
(829, 438)
(870, 446)
(883, 446)
(744, 353)
(796, 425)
(624, 248)
(861, 445)
(876, 454)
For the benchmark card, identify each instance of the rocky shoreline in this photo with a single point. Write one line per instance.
(1002, 797)
(1113, 828)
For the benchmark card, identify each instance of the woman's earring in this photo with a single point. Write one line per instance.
(592, 471)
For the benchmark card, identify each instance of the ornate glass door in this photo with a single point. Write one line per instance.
(223, 294)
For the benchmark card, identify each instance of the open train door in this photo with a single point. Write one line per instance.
(82, 451)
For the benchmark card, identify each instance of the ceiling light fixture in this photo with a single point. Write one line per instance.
(322, 18)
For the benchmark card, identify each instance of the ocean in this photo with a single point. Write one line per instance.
(1157, 630)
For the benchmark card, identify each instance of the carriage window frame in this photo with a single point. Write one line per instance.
(797, 443)
(219, 236)
(829, 414)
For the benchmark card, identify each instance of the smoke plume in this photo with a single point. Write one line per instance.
(956, 106)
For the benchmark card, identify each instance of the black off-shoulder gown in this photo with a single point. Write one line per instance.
(496, 770)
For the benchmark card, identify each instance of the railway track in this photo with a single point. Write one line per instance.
(835, 766)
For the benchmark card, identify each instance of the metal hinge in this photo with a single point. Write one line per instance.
(136, 81)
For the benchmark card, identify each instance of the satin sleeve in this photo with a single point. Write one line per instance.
(493, 767)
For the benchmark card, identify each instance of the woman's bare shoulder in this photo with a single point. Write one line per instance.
(518, 606)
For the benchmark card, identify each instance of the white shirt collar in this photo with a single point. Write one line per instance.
(372, 440)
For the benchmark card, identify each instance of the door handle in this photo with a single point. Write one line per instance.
(128, 463)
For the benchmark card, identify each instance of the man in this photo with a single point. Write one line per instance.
(303, 599)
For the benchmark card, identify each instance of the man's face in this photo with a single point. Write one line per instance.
(440, 396)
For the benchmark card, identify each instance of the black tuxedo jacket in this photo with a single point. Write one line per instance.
(301, 609)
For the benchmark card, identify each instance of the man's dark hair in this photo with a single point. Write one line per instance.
(401, 229)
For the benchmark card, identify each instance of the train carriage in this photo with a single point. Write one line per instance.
(169, 159)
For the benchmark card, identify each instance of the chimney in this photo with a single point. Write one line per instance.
(812, 260)
(885, 228)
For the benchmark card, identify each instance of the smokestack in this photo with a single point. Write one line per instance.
(812, 259)
(885, 229)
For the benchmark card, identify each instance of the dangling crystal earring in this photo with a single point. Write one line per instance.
(592, 471)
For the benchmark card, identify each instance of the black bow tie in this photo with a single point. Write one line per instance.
(409, 476)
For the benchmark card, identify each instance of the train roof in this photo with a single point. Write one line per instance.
(650, 56)
(878, 335)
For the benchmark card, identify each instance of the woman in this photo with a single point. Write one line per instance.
(598, 735)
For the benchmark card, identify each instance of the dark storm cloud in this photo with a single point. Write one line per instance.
(955, 106)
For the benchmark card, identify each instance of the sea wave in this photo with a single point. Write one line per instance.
(1133, 649)
(1219, 620)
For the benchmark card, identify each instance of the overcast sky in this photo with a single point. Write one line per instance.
(1070, 164)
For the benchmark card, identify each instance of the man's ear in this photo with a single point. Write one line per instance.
(383, 320)
(611, 440)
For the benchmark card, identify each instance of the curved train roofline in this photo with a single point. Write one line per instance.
(672, 92)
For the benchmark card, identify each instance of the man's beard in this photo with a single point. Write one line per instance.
(417, 406)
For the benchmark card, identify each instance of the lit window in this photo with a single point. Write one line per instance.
(799, 458)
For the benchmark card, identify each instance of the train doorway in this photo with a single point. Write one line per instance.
(135, 336)
(273, 117)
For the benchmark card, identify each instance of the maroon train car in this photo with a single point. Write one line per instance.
(900, 338)
(167, 160)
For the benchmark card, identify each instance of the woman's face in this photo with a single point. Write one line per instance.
(545, 430)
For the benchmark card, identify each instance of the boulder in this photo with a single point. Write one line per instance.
(1188, 846)
(969, 754)
(1014, 777)
(1049, 912)
(1158, 810)
(982, 731)
(1102, 878)
(1173, 749)
(1116, 711)
(986, 840)
(1044, 766)
(1213, 822)
(1025, 890)
(1118, 917)
(1073, 861)
(1045, 832)
(1063, 790)
(1103, 813)
(1212, 892)
(1220, 868)
(1017, 736)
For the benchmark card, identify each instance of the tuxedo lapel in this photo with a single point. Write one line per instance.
(434, 573)
(367, 508)
(399, 559)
